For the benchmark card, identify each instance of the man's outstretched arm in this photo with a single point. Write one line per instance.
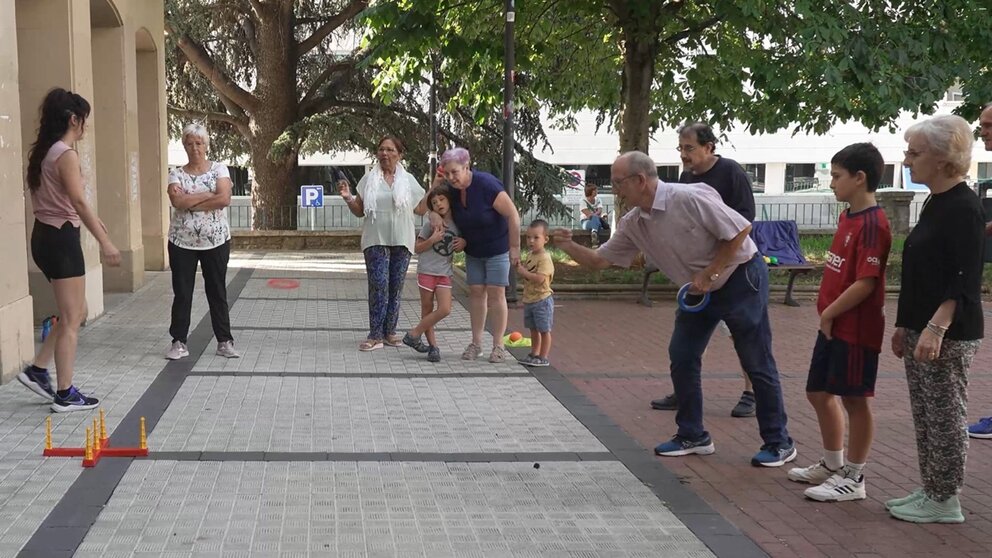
(586, 257)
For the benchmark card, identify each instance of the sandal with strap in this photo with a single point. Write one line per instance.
(394, 340)
(370, 345)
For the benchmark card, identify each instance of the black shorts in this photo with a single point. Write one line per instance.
(842, 368)
(57, 252)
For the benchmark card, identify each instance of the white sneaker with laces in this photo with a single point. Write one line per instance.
(177, 351)
(838, 489)
(816, 473)
(226, 349)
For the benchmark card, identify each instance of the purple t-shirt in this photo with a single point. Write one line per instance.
(484, 229)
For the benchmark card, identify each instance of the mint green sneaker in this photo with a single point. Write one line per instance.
(928, 510)
(908, 499)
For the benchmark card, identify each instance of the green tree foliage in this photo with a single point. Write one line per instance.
(801, 65)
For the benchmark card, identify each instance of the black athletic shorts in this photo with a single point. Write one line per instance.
(57, 252)
(842, 368)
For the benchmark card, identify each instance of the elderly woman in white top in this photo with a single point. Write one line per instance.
(388, 197)
(199, 234)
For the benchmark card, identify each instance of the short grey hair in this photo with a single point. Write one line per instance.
(950, 136)
(458, 155)
(198, 130)
(638, 163)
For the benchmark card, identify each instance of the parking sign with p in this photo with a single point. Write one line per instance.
(312, 196)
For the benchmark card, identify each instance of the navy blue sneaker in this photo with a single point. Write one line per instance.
(73, 401)
(772, 455)
(683, 446)
(415, 343)
(37, 380)
(981, 429)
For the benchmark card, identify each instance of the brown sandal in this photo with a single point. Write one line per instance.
(394, 340)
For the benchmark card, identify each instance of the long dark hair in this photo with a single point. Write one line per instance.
(57, 108)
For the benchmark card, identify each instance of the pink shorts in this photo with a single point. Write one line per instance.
(432, 282)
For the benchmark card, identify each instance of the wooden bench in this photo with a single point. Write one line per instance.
(794, 271)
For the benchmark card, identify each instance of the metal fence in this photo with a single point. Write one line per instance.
(335, 215)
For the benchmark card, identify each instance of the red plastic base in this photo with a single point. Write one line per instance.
(105, 451)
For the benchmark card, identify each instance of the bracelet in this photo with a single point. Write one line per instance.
(937, 330)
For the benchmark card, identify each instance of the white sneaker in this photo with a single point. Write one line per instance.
(226, 349)
(817, 473)
(838, 489)
(177, 351)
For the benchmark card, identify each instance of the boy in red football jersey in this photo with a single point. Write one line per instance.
(845, 359)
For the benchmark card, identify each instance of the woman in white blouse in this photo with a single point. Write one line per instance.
(199, 233)
(388, 197)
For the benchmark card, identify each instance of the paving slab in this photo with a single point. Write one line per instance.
(329, 314)
(388, 509)
(368, 415)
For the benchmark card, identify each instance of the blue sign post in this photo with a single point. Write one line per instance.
(312, 196)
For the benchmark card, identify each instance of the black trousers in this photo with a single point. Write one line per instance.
(213, 263)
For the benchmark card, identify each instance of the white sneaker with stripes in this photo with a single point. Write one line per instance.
(838, 489)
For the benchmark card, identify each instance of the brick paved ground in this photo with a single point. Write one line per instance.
(615, 352)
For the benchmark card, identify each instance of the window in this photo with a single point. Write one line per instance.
(239, 180)
(669, 173)
(800, 177)
(756, 173)
(954, 94)
(888, 177)
(984, 170)
(595, 174)
(327, 176)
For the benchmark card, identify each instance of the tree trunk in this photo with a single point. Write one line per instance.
(273, 192)
(274, 143)
(640, 47)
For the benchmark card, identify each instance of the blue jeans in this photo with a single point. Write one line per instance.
(742, 303)
(593, 223)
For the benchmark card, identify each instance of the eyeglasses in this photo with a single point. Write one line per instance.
(616, 183)
(686, 148)
(910, 154)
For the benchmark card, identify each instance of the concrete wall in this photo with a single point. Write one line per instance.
(16, 346)
(103, 50)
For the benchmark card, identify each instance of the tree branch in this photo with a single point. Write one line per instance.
(199, 57)
(343, 66)
(208, 115)
(701, 26)
(351, 10)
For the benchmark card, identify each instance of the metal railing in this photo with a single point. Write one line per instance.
(337, 217)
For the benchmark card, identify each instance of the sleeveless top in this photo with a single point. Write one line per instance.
(50, 201)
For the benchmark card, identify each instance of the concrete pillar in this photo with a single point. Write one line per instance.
(774, 178)
(896, 204)
(53, 49)
(153, 150)
(115, 106)
(16, 344)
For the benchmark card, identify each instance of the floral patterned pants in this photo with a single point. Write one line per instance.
(938, 397)
(386, 267)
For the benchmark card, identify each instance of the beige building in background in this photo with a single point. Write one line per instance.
(112, 53)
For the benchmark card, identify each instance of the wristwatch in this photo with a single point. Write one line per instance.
(714, 277)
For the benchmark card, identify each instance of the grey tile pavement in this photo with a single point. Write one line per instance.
(327, 508)
(387, 509)
(330, 314)
(368, 415)
(336, 352)
(320, 288)
(118, 357)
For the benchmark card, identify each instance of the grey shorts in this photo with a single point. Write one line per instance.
(540, 315)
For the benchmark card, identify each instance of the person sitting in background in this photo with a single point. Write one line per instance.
(593, 219)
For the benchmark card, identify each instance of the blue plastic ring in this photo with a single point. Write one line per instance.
(698, 307)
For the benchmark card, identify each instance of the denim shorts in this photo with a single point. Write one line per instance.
(494, 270)
(540, 315)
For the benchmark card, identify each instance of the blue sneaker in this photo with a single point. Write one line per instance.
(772, 455)
(37, 380)
(73, 401)
(981, 429)
(683, 446)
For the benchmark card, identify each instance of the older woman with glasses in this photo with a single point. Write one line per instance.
(490, 225)
(388, 198)
(939, 321)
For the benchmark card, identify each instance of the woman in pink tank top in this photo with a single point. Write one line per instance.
(57, 195)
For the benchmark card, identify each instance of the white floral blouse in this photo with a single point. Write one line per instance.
(199, 230)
